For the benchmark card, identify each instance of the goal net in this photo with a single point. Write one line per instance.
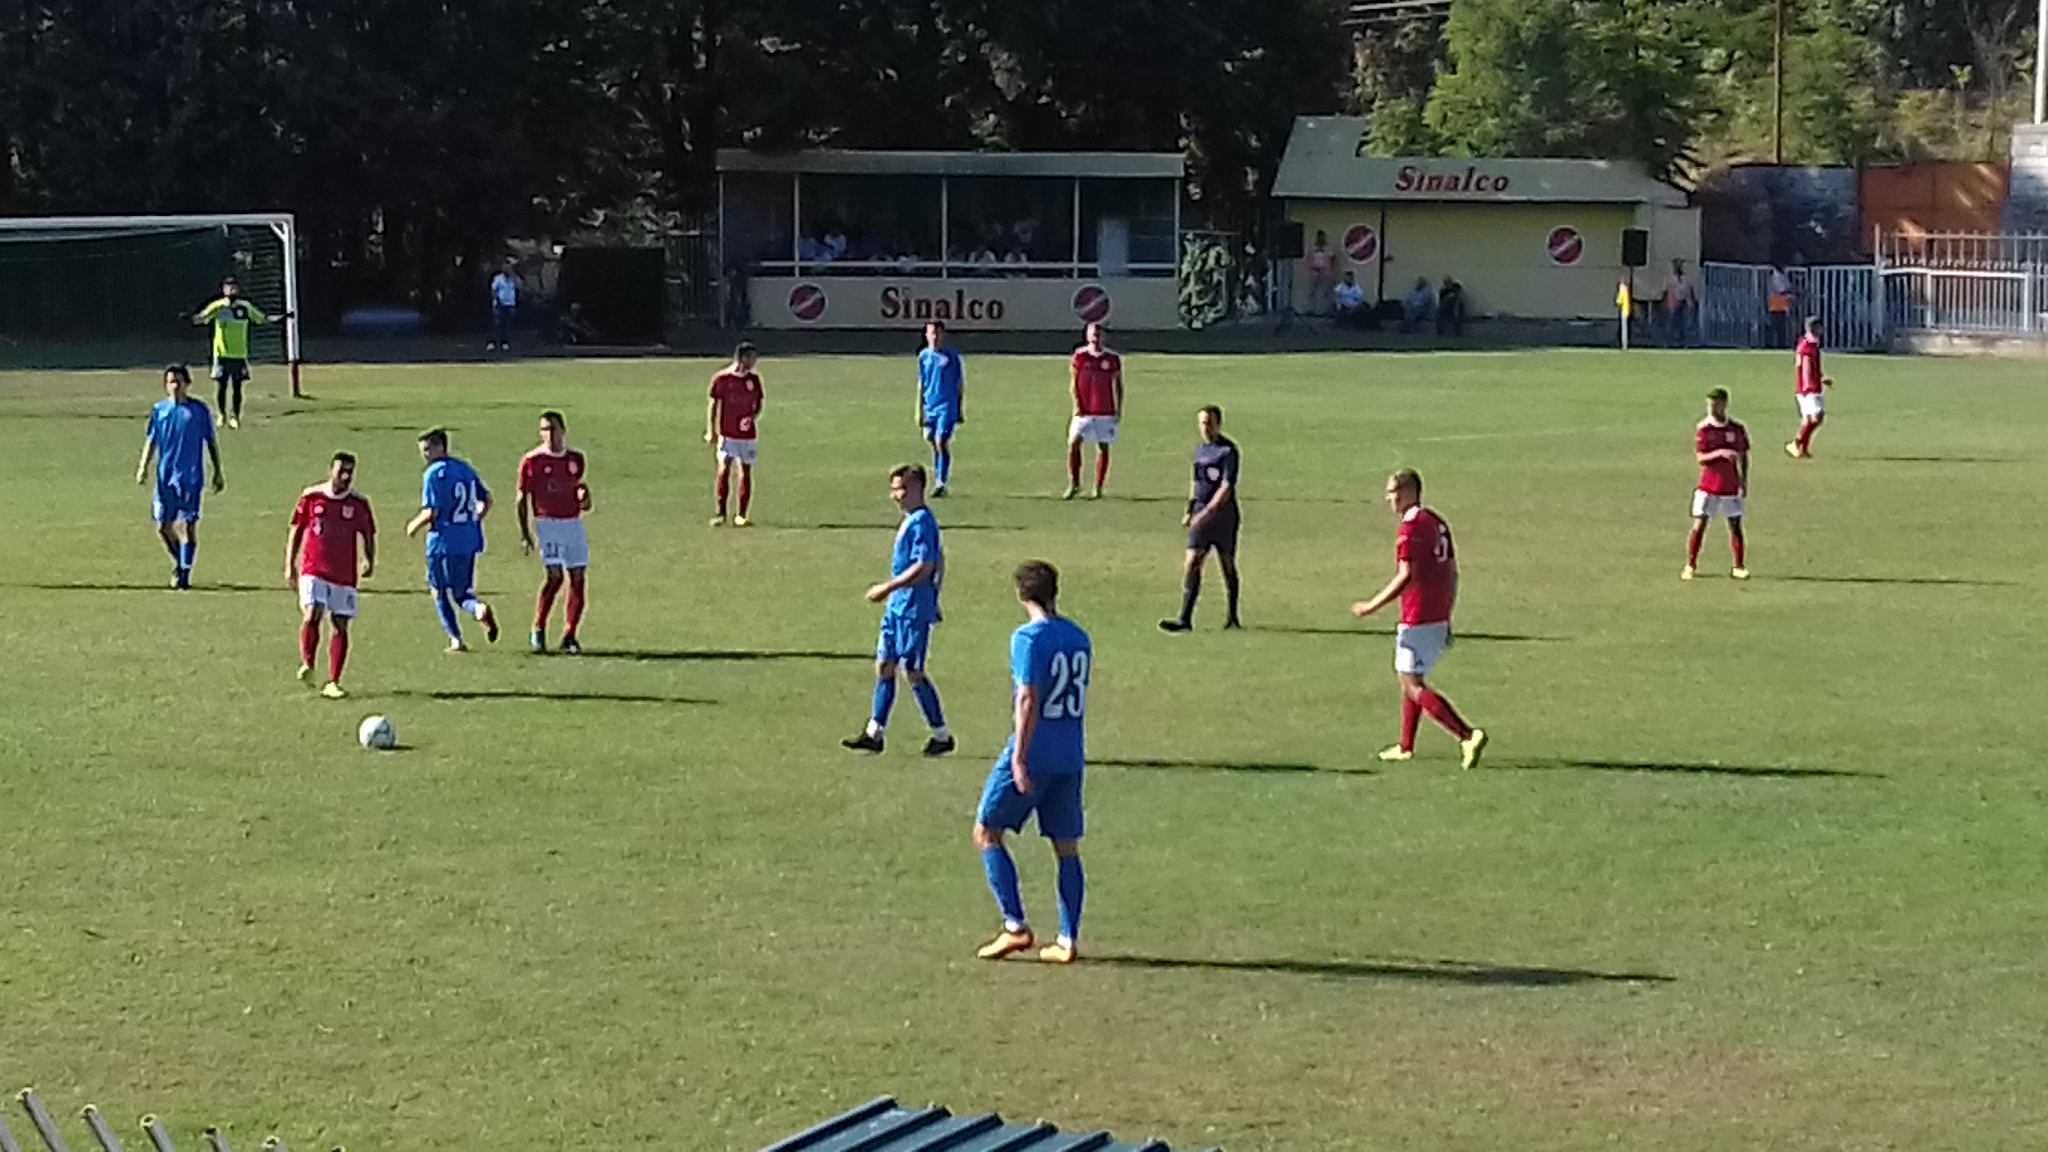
(113, 291)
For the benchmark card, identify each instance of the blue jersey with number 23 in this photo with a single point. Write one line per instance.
(452, 489)
(1054, 657)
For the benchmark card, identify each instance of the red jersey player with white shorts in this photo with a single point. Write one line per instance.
(1098, 385)
(1809, 390)
(1721, 446)
(1426, 582)
(553, 492)
(320, 558)
(729, 423)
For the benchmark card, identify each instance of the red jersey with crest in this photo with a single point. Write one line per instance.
(1809, 366)
(1424, 541)
(550, 483)
(739, 402)
(1721, 477)
(333, 524)
(1095, 377)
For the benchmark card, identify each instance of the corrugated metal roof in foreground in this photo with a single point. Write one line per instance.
(884, 1126)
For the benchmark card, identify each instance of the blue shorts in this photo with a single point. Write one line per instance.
(453, 572)
(173, 505)
(1056, 799)
(939, 423)
(904, 641)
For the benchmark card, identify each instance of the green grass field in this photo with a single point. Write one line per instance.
(1748, 866)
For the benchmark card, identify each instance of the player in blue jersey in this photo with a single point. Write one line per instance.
(1041, 767)
(453, 503)
(916, 569)
(181, 438)
(940, 389)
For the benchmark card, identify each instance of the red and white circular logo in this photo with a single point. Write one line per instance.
(1091, 303)
(1565, 245)
(1361, 243)
(807, 302)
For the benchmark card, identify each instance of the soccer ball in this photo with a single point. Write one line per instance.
(377, 733)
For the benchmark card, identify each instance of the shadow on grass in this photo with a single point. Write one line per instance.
(714, 655)
(1937, 581)
(943, 527)
(1388, 634)
(1259, 766)
(1939, 459)
(571, 697)
(201, 587)
(1691, 767)
(1472, 973)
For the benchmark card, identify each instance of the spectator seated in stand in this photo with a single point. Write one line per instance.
(1350, 299)
(1420, 305)
(1450, 308)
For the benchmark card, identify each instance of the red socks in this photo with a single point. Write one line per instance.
(746, 498)
(1411, 717)
(1805, 437)
(1101, 465)
(309, 642)
(1440, 710)
(1074, 464)
(337, 655)
(1735, 545)
(545, 605)
(723, 489)
(572, 613)
(1692, 543)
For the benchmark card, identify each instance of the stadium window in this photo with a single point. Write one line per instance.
(869, 225)
(1127, 227)
(759, 224)
(1011, 226)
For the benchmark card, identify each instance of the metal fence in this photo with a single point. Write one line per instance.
(1735, 305)
(1964, 283)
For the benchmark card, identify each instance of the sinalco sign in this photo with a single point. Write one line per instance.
(1413, 179)
(900, 302)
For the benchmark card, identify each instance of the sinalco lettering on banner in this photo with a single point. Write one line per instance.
(1470, 182)
(899, 302)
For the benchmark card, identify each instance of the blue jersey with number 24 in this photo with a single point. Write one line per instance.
(1054, 657)
(453, 489)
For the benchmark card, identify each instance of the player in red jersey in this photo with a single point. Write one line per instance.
(1098, 386)
(729, 423)
(320, 558)
(552, 491)
(1426, 581)
(1721, 446)
(1810, 391)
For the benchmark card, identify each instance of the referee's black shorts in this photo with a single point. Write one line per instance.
(1219, 533)
(230, 369)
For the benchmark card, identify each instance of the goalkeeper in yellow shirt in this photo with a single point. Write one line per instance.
(231, 316)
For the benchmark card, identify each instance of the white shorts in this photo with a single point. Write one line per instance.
(1417, 647)
(1093, 429)
(337, 599)
(1707, 505)
(740, 450)
(1812, 403)
(562, 544)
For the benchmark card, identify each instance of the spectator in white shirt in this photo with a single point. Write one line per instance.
(504, 302)
(1350, 302)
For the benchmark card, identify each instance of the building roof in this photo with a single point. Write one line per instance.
(831, 161)
(882, 1125)
(1324, 162)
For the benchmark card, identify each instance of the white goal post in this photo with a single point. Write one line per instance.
(99, 277)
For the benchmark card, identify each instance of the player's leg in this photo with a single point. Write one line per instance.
(871, 737)
(942, 460)
(188, 548)
(572, 612)
(721, 486)
(1471, 740)
(544, 605)
(1739, 547)
(927, 696)
(1807, 430)
(1226, 559)
(1695, 537)
(220, 389)
(1073, 460)
(1101, 465)
(746, 492)
(1190, 590)
(1003, 809)
(309, 630)
(441, 586)
(462, 572)
(337, 654)
(1060, 821)
(239, 377)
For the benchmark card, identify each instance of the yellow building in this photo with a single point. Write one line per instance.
(1537, 239)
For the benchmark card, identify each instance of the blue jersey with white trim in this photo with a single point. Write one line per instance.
(1055, 657)
(453, 490)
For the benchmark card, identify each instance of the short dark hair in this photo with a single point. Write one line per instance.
(1038, 582)
(227, 280)
(183, 373)
(556, 418)
(1720, 394)
(745, 349)
(908, 471)
(1214, 413)
(939, 324)
(1408, 478)
(347, 458)
(438, 437)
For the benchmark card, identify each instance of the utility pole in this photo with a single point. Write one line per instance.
(1778, 80)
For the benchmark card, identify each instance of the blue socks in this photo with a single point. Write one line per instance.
(885, 700)
(942, 463)
(1002, 880)
(446, 611)
(928, 703)
(1073, 886)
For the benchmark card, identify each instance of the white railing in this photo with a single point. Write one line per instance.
(1965, 283)
(1735, 305)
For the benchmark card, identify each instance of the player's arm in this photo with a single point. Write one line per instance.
(1074, 383)
(915, 574)
(524, 507)
(220, 478)
(483, 501)
(1386, 595)
(293, 542)
(1224, 491)
(424, 519)
(711, 420)
(148, 454)
(1742, 473)
(959, 394)
(1026, 723)
(1116, 387)
(370, 553)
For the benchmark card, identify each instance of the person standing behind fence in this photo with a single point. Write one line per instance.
(1779, 304)
(1321, 263)
(504, 305)
(1679, 303)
